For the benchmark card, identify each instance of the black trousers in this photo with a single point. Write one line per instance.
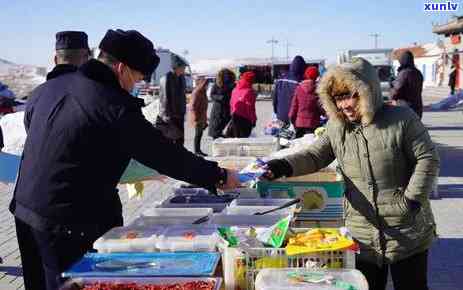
(239, 128)
(45, 255)
(408, 274)
(452, 90)
(300, 132)
(199, 129)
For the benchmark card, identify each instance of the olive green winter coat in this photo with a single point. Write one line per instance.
(389, 163)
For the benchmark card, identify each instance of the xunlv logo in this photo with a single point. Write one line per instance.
(449, 6)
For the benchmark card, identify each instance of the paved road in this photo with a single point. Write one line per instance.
(446, 258)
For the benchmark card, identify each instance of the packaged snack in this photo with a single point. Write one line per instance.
(276, 234)
(319, 240)
(253, 171)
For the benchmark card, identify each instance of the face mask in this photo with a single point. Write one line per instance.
(134, 92)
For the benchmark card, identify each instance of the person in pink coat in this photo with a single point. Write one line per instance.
(305, 108)
(243, 108)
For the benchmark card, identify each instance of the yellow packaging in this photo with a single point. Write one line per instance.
(318, 240)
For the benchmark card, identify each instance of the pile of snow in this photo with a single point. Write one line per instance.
(14, 134)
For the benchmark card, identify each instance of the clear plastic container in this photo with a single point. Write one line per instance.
(188, 238)
(177, 212)
(79, 283)
(244, 192)
(233, 162)
(128, 239)
(217, 203)
(251, 210)
(245, 220)
(255, 147)
(275, 202)
(151, 221)
(279, 279)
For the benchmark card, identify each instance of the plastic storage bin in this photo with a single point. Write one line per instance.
(262, 258)
(153, 221)
(79, 283)
(245, 220)
(280, 279)
(256, 147)
(128, 239)
(259, 202)
(188, 238)
(177, 212)
(144, 265)
(234, 162)
(216, 203)
(251, 210)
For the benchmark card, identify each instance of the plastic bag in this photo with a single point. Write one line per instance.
(136, 172)
(276, 234)
(253, 171)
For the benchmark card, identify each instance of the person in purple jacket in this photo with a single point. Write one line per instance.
(284, 89)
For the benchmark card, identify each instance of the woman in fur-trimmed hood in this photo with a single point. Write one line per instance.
(390, 166)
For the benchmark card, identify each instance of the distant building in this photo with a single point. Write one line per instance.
(452, 47)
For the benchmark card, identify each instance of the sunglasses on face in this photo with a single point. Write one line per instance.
(342, 97)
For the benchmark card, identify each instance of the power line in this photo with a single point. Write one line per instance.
(287, 49)
(376, 36)
(272, 41)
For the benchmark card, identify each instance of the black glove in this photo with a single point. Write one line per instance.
(278, 168)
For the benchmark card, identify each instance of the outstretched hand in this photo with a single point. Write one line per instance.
(232, 180)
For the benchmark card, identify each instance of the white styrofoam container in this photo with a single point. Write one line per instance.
(256, 147)
(188, 238)
(128, 239)
(278, 279)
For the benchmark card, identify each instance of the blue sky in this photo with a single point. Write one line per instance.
(218, 28)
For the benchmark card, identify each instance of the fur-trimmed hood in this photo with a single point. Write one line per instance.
(356, 76)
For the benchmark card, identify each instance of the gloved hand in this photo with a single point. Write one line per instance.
(277, 168)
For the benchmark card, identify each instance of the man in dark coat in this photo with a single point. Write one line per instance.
(71, 52)
(408, 86)
(82, 130)
(171, 118)
(283, 91)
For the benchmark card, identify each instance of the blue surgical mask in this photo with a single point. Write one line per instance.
(134, 92)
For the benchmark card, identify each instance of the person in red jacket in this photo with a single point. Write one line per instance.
(243, 108)
(305, 108)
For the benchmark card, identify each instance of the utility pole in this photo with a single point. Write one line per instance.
(272, 41)
(287, 49)
(376, 36)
